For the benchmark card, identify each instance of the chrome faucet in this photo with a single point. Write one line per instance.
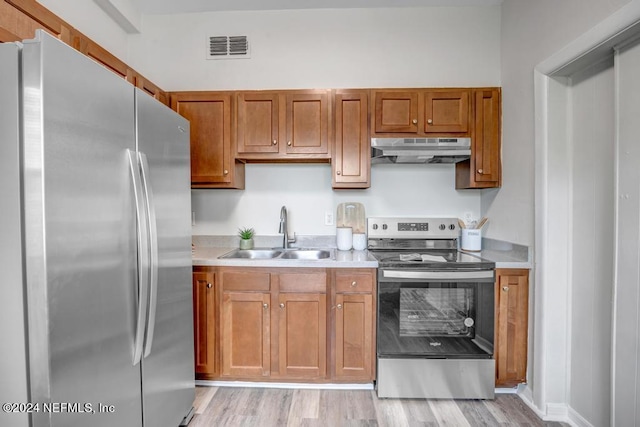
(284, 229)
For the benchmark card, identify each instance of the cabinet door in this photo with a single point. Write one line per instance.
(302, 334)
(354, 336)
(351, 162)
(512, 295)
(395, 112)
(209, 115)
(204, 316)
(258, 123)
(307, 123)
(446, 112)
(245, 334)
(486, 137)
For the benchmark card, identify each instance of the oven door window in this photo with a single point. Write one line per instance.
(444, 319)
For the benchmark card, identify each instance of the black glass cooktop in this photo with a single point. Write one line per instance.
(430, 259)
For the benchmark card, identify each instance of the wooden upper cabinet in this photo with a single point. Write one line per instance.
(204, 323)
(99, 54)
(19, 20)
(307, 123)
(209, 115)
(395, 111)
(421, 112)
(283, 126)
(446, 112)
(257, 123)
(351, 161)
(484, 168)
(512, 302)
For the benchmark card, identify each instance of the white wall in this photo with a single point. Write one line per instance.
(346, 48)
(531, 32)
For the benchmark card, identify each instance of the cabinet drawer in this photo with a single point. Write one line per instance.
(354, 282)
(303, 282)
(239, 281)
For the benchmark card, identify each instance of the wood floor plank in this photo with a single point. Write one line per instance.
(305, 404)
(418, 412)
(448, 413)
(476, 413)
(203, 397)
(389, 412)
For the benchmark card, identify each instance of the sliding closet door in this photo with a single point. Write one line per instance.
(626, 367)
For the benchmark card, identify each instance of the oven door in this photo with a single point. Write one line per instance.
(435, 314)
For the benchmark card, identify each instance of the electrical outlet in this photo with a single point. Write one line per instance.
(468, 217)
(328, 218)
(193, 218)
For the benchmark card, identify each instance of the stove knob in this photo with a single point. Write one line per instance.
(374, 226)
(442, 227)
(452, 227)
(384, 226)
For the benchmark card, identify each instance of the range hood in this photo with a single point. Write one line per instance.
(420, 150)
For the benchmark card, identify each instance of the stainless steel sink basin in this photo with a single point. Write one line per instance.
(306, 254)
(252, 254)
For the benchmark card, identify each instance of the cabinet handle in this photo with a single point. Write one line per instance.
(430, 121)
(265, 305)
(339, 306)
(354, 284)
(275, 141)
(480, 171)
(226, 172)
(505, 288)
(289, 143)
(281, 305)
(209, 285)
(338, 173)
(414, 121)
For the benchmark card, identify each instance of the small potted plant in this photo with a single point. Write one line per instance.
(246, 237)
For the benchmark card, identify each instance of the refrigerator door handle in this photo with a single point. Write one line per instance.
(142, 241)
(153, 250)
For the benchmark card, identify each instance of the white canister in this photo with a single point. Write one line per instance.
(471, 239)
(344, 238)
(359, 241)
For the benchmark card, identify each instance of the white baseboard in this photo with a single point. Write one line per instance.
(575, 419)
(205, 383)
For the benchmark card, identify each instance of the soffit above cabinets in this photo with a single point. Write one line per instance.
(160, 7)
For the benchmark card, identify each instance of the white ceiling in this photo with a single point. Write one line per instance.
(155, 7)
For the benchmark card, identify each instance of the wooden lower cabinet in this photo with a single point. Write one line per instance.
(512, 301)
(288, 324)
(204, 323)
(353, 326)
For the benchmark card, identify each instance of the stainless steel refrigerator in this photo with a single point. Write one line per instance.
(96, 320)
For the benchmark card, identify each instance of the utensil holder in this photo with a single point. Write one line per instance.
(471, 239)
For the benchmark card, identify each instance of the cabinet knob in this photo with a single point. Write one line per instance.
(289, 143)
(209, 285)
(480, 171)
(281, 305)
(430, 121)
(414, 121)
(338, 173)
(505, 288)
(339, 306)
(275, 141)
(265, 305)
(354, 284)
(226, 172)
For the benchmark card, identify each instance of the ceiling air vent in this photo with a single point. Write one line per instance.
(227, 47)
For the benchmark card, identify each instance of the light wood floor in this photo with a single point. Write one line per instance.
(233, 406)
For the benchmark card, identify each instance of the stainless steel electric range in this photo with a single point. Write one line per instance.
(435, 327)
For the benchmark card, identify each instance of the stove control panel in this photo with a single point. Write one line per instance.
(412, 228)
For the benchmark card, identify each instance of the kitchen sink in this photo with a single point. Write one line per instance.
(306, 254)
(252, 254)
(288, 254)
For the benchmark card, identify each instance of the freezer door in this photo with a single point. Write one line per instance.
(167, 366)
(79, 239)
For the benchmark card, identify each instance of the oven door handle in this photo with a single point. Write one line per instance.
(438, 275)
